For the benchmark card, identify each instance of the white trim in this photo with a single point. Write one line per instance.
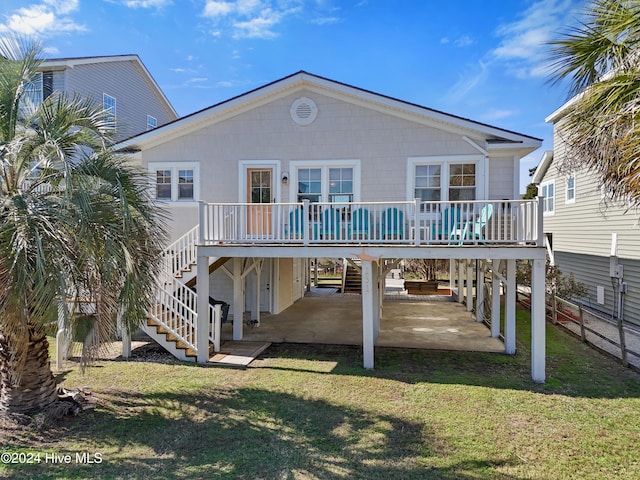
(446, 161)
(243, 165)
(324, 165)
(174, 167)
(548, 212)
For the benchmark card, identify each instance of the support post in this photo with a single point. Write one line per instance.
(238, 298)
(510, 309)
(452, 269)
(202, 318)
(480, 291)
(538, 335)
(460, 281)
(469, 285)
(368, 309)
(495, 298)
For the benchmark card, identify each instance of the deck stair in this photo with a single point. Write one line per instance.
(172, 320)
(352, 275)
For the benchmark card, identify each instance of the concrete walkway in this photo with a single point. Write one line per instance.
(408, 321)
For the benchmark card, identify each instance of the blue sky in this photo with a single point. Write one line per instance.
(479, 59)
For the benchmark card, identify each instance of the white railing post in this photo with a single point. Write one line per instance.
(416, 221)
(306, 220)
(201, 220)
(540, 225)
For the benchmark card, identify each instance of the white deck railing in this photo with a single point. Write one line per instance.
(416, 223)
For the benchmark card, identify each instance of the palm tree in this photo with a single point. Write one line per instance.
(77, 226)
(600, 59)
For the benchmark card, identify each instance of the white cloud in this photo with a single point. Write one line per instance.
(146, 3)
(492, 115)
(260, 18)
(522, 45)
(469, 79)
(464, 41)
(214, 9)
(43, 19)
(326, 20)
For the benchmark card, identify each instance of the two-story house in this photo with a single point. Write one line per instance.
(122, 84)
(589, 235)
(307, 167)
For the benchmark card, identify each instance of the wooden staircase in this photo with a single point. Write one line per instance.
(352, 276)
(172, 321)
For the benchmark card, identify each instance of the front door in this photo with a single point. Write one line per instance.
(259, 192)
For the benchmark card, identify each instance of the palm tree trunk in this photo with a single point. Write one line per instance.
(27, 386)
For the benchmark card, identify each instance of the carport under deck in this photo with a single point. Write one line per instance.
(408, 321)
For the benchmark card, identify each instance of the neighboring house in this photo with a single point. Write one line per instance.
(307, 167)
(588, 235)
(132, 99)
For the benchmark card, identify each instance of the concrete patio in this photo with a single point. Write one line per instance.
(408, 321)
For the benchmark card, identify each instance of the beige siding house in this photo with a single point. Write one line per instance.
(120, 83)
(590, 236)
(308, 167)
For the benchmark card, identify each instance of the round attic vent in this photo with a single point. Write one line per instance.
(303, 111)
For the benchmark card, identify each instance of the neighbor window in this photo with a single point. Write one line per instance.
(152, 122)
(547, 190)
(571, 189)
(109, 107)
(175, 181)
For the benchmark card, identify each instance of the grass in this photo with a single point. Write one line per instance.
(312, 412)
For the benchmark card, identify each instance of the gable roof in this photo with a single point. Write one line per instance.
(70, 62)
(498, 138)
(542, 167)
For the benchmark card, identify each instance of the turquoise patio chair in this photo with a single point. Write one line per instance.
(296, 223)
(360, 226)
(392, 223)
(330, 223)
(449, 222)
(474, 230)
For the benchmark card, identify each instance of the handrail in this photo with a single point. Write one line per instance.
(413, 223)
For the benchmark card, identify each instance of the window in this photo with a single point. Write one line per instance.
(341, 185)
(571, 189)
(334, 181)
(185, 184)
(32, 96)
(462, 182)
(163, 184)
(152, 122)
(444, 179)
(109, 107)
(428, 183)
(310, 184)
(547, 190)
(175, 182)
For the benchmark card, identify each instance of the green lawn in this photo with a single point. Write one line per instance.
(312, 412)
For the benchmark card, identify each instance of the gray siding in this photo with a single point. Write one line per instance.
(135, 97)
(593, 271)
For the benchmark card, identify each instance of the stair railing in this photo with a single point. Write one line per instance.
(182, 254)
(175, 311)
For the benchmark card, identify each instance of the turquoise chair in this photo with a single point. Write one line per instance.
(330, 223)
(474, 230)
(296, 223)
(392, 223)
(360, 226)
(449, 222)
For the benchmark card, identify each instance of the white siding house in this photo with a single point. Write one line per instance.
(308, 167)
(588, 235)
(120, 82)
